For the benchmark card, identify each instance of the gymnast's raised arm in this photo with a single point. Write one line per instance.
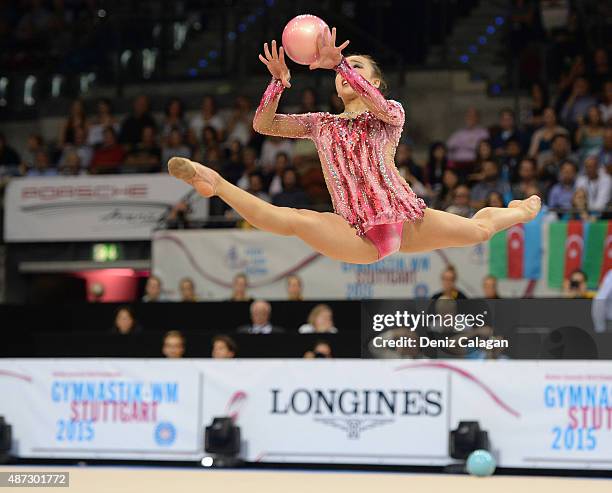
(330, 57)
(266, 120)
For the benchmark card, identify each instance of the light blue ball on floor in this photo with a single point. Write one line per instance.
(480, 463)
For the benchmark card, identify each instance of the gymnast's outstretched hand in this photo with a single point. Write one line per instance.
(330, 55)
(275, 61)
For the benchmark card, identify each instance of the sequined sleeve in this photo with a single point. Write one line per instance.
(268, 122)
(388, 111)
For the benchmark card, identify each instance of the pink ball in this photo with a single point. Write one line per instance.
(300, 38)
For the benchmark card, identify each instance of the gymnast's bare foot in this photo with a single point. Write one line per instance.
(203, 179)
(530, 206)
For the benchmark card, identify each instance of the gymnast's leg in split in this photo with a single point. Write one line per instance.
(330, 235)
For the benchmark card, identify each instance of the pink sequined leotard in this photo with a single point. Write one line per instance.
(357, 157)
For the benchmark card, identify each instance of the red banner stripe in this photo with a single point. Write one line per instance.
(516, 251)
(574, 245)
(606, 264)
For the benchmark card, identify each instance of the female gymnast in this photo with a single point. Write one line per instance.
(376, 212)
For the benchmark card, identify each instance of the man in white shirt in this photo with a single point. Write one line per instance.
(260, 320)
(601, 309)
(597, 184)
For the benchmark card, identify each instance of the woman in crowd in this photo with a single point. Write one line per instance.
(320, 320)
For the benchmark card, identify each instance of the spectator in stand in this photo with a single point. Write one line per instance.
(561, 194)
(256, 187)
(578, 103)
(566, 82)
(405, 163)
(145, 156)
(174, 119)
(580, 207)
(132, 127)
(550, 162)
(234, 151)
(96, 292)
(240, 124)
(597, 183)
(80, 147)
(534, 113)
(9, 158)
(238, 161)
(436, 165)
(174, 147)
(321, 349)
(484, 152)
(292, 195)
(527, 179)
(507, 130)
(240, 165)
(491, 182)
(605, 155)
(187, 290)
(108, 158)
(294, 288)
(308, 101)
(71, 163)
(173, 345)
(223, 347)
(272, 146)
(461, 202)
(606, 103)
(489, 288)
(576, 286)
(260, 320)
(494, 199)
(215, 159)
(153, 290)
(541, 140)
(320, 321)
(449, 286)
(207, 117)
(444, 198)
(590, 134)
(462, 143)
(104, 118)
(34, 145)
(600, 71)
(274, 180)
(410, 170)
(76, 119)
(42, 166)
(206, 141)
(124, 322)
(601, 308)
(239, 288)
(511, 159)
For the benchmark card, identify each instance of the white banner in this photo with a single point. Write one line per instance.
(85, 208)
(538, 414)
(212, 258)
(103, 408)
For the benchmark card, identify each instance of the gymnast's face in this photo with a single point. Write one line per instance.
(365, 69)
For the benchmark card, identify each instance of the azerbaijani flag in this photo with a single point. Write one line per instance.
(516, 253)
(580, 245)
